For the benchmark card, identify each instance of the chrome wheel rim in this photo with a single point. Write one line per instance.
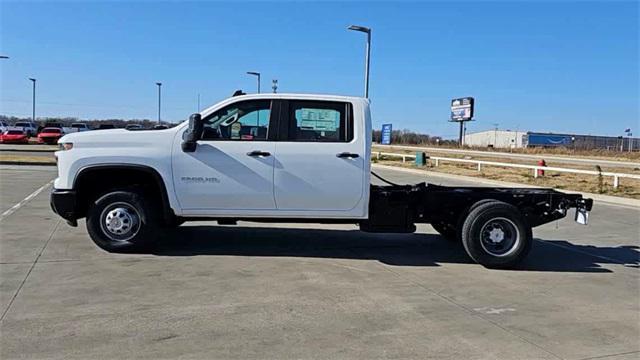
(499, 237)
(120, 221)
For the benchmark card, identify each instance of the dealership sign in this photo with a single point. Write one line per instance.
(462, 109)
(386, 134)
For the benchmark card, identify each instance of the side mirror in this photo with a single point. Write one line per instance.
(191, 136)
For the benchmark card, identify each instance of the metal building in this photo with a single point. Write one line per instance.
(516, 139)
(495, 138)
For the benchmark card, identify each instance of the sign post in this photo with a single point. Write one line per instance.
(386, 134)
(461, 112)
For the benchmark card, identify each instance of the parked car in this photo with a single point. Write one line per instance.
(50, 135)
(134, 127)
(79, 127)
(160, 127)
(53, 124)
(29, 128)
(3, 127)
(14, 136)
(106, 126)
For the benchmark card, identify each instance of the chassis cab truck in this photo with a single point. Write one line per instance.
(279, 158)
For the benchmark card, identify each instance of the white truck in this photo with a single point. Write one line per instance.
(279, 158)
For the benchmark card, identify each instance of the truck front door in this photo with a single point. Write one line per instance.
(232, 167)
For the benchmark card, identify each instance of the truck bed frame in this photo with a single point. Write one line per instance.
(397, 208)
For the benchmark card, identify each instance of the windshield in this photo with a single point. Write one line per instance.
(51, 130)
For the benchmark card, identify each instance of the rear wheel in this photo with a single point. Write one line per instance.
(496, 235)
(450, 230)
(122, 221)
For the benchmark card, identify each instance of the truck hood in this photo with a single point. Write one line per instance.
(119, 137)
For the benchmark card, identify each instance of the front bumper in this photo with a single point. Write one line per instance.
(63, 203)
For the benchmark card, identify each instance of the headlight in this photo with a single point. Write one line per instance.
(66, 146)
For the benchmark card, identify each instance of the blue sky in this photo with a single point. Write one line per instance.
(541, 66)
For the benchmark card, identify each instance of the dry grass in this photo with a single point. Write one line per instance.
(578, 182)
(579, 165)
(27, 159)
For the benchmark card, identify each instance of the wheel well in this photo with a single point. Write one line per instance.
(91, 183)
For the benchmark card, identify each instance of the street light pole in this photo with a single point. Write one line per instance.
(257, 74)
(159, 100)
(33, 104)
(367, 31)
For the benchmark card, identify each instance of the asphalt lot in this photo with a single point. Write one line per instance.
(311, 291)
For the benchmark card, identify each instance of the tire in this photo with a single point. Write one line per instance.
(448, 231)
(451, 231)
(496, 235)
(122, 221)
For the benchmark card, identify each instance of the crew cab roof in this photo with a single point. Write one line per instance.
(269, 96)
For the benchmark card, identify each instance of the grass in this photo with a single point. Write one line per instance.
(26, 159)
(629, 188)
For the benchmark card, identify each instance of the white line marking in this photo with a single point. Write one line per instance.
(17, 206)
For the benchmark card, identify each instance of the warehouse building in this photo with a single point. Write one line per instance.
(516, 139)
(495, 138)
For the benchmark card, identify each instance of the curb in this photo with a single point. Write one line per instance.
(29, 150)
(614, 200)
(38, 163)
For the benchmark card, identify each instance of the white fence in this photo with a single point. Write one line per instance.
(479, 163)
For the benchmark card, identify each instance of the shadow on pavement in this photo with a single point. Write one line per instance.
(392, 249)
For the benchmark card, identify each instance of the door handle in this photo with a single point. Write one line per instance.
(347, 155)
(258, 153)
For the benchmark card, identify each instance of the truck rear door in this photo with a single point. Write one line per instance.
(320, 159)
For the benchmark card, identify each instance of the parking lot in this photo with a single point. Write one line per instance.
(311, 291)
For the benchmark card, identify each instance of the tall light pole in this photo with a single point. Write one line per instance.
(274, 85)
(367, 31)
(257, 74)
(33, 104)
(159, 99)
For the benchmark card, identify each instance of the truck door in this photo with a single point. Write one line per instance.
(232, 167)
(319, 165)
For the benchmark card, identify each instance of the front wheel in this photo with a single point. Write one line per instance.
(122, 221)
(496, 235)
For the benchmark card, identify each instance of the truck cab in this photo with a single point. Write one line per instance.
(264, 157)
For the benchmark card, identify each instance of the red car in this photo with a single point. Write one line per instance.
(50, 135)
(14, 137)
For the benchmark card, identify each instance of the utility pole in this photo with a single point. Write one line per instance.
(367, 31)
(198, 103)
(33, 104)
(159, 100)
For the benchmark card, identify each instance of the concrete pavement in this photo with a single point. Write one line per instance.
(312, 291)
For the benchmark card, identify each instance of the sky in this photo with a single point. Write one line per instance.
(558, 66)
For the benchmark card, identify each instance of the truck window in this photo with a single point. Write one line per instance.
(320, 121)
(245, 121)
